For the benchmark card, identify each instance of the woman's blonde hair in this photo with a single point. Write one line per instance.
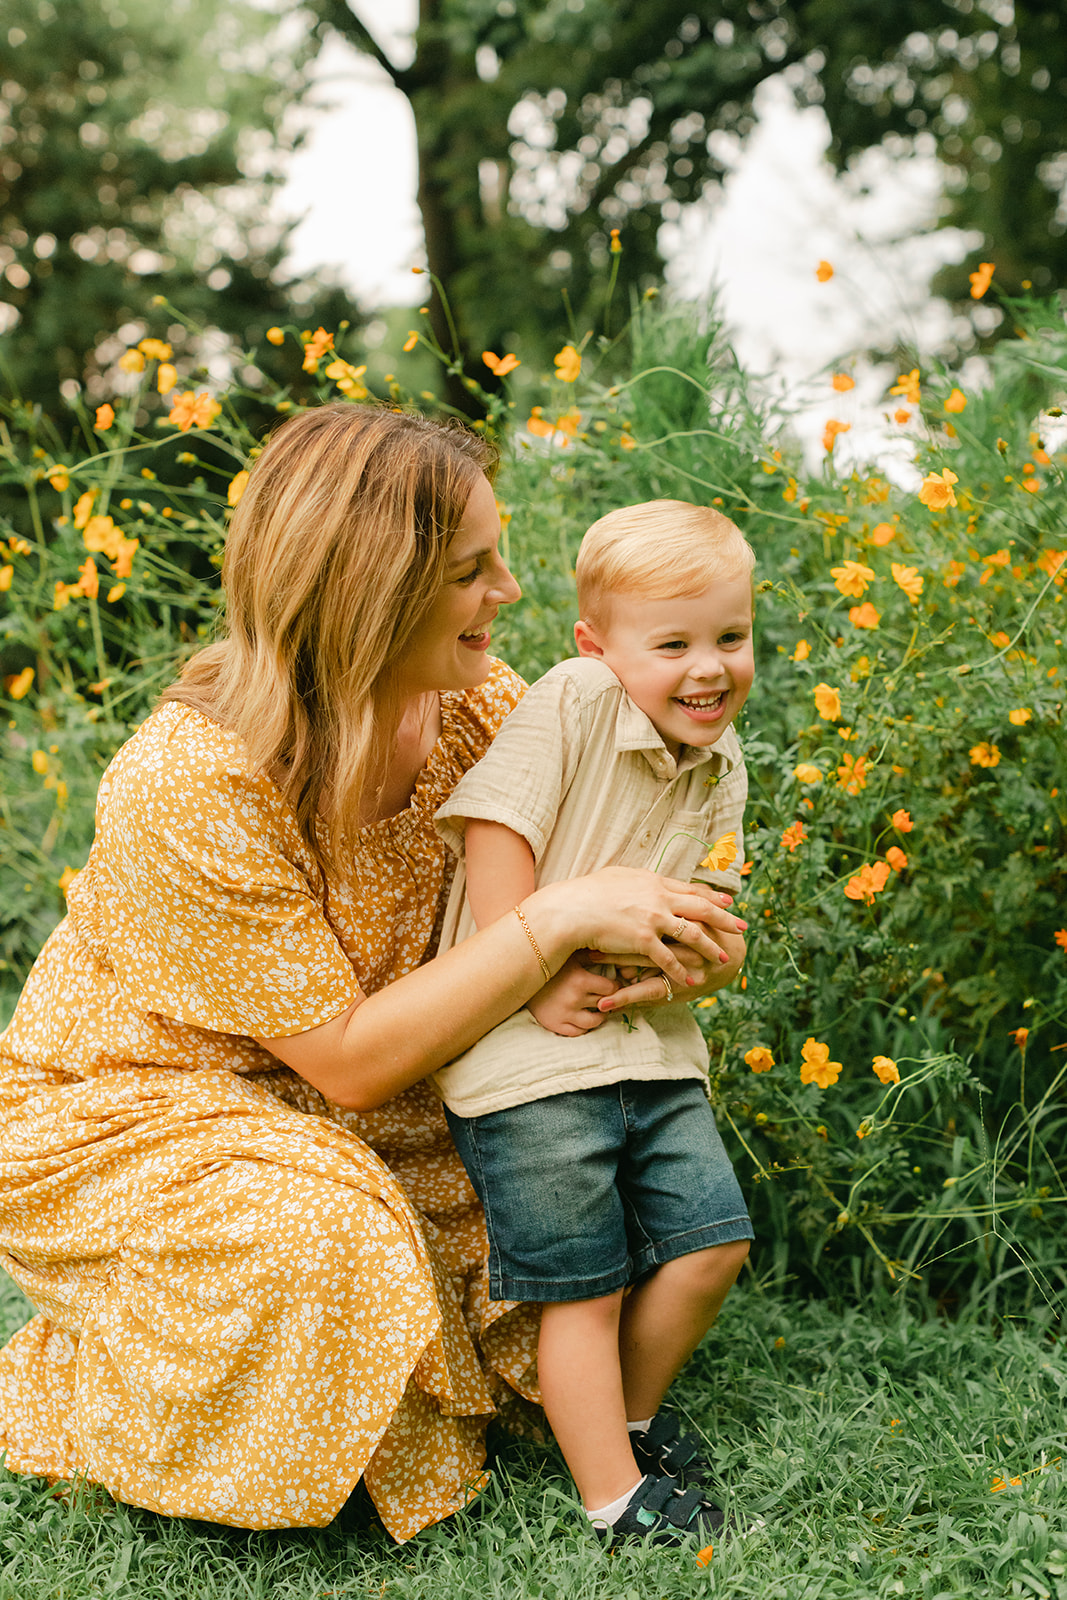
(337, 548)
(657, 549)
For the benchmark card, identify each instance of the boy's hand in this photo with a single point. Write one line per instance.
(568, 1004)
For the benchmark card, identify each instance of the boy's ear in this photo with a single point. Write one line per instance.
(585, 637)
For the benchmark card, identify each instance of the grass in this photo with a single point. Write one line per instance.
(868, 1439)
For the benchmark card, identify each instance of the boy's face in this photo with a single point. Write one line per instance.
(686, 661)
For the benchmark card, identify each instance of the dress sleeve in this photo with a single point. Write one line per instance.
(525, 773)
(208, 916)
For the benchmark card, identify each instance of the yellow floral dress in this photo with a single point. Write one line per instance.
(247, 1297)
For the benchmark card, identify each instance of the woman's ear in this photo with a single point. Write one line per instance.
(585, 637)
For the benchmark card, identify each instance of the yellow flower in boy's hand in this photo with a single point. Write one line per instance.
(568, 364)
(936, 490)
(885, 1069)
(721, 853)
(818, 1068)
(759, 1058)
(827, 702)
(852, 578)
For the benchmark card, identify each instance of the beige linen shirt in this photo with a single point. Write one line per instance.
(581, 773)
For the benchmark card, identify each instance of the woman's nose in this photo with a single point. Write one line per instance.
(506, 591)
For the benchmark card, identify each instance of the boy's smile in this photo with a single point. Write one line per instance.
(686, 661)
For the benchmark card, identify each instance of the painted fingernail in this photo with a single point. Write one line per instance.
(740, 926)
(726, 899)
(691, 981)
(723, 956)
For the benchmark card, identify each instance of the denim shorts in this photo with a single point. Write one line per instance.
(589, 1191)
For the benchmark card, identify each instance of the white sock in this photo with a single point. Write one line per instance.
(610, 1514)
(639, 1427)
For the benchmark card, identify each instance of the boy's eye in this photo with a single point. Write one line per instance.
(673, 644)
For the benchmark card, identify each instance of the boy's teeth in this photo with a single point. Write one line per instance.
(701, 700)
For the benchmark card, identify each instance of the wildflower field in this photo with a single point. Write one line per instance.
(889, 1074)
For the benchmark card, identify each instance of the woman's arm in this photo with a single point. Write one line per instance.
(385, 1042)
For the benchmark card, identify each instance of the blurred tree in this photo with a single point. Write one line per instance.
(139, 144)
(544, 124)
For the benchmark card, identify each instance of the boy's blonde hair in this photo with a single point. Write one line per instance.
(657, 549)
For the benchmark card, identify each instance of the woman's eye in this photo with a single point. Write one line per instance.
(469, 577)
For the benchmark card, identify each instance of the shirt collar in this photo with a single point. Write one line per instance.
(635, 731)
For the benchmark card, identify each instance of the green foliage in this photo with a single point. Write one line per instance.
(889, 1455)
(905, 743)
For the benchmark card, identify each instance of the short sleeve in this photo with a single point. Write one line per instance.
(208, 916)
(523, 776)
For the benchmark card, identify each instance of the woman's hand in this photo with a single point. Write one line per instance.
(628, 912)
(568, 1005)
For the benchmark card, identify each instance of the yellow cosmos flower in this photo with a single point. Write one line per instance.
(155, 349)
(275, 336)
(6, 575)
(411, 341)
(827, 702)
(984, 754)
(348, 379)
(882, 534)
(885, 1069)
(236, 487)
(831, 431)
(1020, 716)
(721, 853)
(132, 361)
(90, 582)
(852, 578)
(166, 377)
(981, 279)
(864, 616)
(802, 651)
(907, 384)
(842, 382)
(193, 411)
(116, 591)
(806, 773)
(759, 1058)
(936, 490)
(616, 243)
(315, 347)
(18, 685)
(824, 272)
(105, 418)
(500, 366)
(956, 401)
(59, 478)
(568, 364)
(818, 1068)
(909, 580)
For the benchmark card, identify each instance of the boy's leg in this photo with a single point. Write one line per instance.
(581, 1386)
(665, 1317)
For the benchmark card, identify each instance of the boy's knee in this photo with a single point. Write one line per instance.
(716, 1267)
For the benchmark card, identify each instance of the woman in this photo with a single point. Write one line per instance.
(257, 1264)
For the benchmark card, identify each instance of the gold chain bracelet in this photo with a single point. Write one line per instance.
(528, 931)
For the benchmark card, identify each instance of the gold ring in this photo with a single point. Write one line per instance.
(667, 985)
(681, 930)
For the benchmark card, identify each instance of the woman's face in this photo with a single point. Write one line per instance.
(449, 650)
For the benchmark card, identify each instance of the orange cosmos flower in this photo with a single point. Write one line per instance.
(852, 774)
(759, 1058)
(909, 580)
(536, 423)
(818, 1068)
(984, 754)
(956, 401)
(885, 1069)
(864, 616)
(315, 347)
(90, 583)
(616, 243)
(275, 335)
(59, 478)
(721, 853)
(867, 882)
(105, 418)
(411, 341)
(567, 424)
(1051, 561)
(953, 573)
(1020, 1035)
(499, 366)
(793, 836)
(901, 416)
(852, 578)
(807, 773)
(824, 272)
(18, 685)
(193, 411)
(936, 490)
(827, 702)
(568, 364)
(1021, 716)
(981, 279)
(1060, 935)
(882, 534)
(831, 431)
(896, 858)
(907, 384)
(627, 441)
(842, 382)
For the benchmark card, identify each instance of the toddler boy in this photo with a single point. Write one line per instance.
(583, 1120)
